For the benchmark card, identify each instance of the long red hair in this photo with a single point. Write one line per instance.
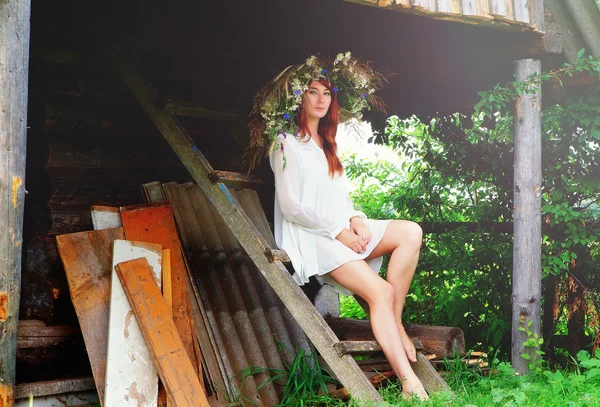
(327, 130)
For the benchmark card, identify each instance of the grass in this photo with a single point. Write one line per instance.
(577, 387)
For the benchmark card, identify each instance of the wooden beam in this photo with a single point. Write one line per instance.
(52, 387)
(440, 340)
(183, 108)
(527, 277)
(461, 11)
(249, 237)
(361, 347)
(235, 179)
(175, 368)
(87, 259)
(14, 64)
(429, 376)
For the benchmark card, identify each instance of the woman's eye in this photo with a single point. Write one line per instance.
(327, 94)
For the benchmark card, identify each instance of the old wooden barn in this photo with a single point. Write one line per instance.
(97, 100)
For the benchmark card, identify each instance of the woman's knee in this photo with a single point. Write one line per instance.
(384, 294)
(409, 234)
(414, 234)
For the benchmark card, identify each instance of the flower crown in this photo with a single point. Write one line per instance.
(277, 104)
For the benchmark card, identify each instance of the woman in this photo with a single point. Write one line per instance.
(323, 235)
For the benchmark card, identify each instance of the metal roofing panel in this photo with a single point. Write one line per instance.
(244, 313)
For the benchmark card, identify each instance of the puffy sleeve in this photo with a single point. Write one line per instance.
(286, 188)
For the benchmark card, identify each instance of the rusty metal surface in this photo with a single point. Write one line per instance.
(246, 317)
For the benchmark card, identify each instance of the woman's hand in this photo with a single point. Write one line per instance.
(361, 230)
(351, 240)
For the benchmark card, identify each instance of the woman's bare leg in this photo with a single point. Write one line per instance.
(358, 277)
(402, 239)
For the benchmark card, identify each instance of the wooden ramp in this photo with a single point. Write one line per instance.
(213, 185)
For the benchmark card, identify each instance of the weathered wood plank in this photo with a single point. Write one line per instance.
(345, 368)
(154, 223)
(277, 255)
(521, 10)
(527, 277)
(431, 379)
(176, 370)
(440, 340)
(469, 7)
(498, 7)
(483, 8)
(34, 334)
(235, 179)
(14, 67)
(105, 217)
(131, 378)
(360, 347)
(426, 5)
(87, 259)
(51, 387)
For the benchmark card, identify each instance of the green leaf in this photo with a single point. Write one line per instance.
(525, 356)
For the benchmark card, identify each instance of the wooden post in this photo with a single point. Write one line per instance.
(527, 276)
(14, 65)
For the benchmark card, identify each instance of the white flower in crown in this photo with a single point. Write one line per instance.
(310, 61)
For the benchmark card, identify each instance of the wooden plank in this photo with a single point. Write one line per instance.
(87, 259)
(498, 7)
(14, 67)
(527, 251)
(84, 398)
(105, 217)
(444, 6)
(425, 5)
(441, 340)
(191, 109)
(175, 368)
(429, 376)
(51, 387)
(277, 255)
(153, 192)
(469, 7)
(35, 334)
(131, 378)
(154, 223)
(345, 368)
(521, 10)
(235, 179)
(483, 8)
(362, 347)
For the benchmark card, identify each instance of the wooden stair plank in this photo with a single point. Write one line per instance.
(176, 370)
(345, 368)
(131, 378)
(87, 259)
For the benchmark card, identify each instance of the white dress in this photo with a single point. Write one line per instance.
(311, 209)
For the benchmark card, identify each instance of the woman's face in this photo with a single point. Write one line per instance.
(317, 100)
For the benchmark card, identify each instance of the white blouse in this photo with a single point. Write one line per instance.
(311, 209)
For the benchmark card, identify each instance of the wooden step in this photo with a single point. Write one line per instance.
(235, 179)
(362, 347)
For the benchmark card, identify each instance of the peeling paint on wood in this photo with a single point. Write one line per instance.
(6, 396)
(170, 358)
(130, 372)
(17, 182)
(3, 306)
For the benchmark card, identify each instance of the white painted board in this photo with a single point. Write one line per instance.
(131, 377)
(105, 217)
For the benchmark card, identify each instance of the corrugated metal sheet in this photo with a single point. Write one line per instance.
(579, 22)
(509, 13)
(244, 313)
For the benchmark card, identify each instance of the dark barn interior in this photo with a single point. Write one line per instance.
(90, 142)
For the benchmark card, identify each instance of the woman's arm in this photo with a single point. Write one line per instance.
(286, 188)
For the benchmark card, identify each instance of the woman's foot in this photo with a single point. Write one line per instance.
(414, 387)
(407, 344)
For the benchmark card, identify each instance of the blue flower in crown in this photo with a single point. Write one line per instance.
(335, 89)
(286, 116)
(297, 92)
